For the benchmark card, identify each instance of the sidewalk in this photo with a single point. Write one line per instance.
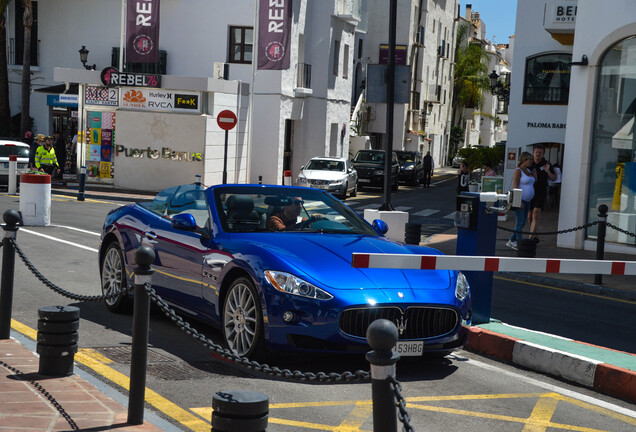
(602, 369)
(32, 402)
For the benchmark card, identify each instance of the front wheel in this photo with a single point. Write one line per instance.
(243, 320)
(113, 274)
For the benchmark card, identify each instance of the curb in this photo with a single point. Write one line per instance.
(602, 377)
(103, 196)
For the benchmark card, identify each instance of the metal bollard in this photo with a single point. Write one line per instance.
(527, 248)
(600, 239)
(13, 171)
(10, 227)
(144, 256)
(260, 179)
(82, 184)
(57, 339)
(382, 336)
(239, 411)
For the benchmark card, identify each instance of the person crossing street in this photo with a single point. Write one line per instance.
(45, 159)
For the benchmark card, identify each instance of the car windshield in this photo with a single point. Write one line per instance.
(369, 156)
(325, 165)
(7, 150)
(285, 209)
(404, 157)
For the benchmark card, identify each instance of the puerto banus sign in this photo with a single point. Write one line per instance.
(111, 77)
(166, 153)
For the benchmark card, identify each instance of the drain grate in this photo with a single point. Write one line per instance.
(121, 354)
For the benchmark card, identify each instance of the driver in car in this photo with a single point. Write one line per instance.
(287, 219)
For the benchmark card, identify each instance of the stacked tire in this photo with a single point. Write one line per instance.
(526, 248)
(413, 233)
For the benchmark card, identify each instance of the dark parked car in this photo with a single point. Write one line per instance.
(370, 167)
(411, 167)
(218, 257)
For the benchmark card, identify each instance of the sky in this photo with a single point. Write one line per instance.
(499, 16)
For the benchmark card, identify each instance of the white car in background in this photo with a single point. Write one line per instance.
(334, 175)
(12, 148)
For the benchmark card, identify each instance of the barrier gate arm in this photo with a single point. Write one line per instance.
(493, 264)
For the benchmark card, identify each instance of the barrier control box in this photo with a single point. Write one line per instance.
(467, 210)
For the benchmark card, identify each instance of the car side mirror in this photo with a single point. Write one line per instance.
(302, 167)
(184, 222)
(380, 226)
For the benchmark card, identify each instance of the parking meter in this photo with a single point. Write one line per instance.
(476, 236)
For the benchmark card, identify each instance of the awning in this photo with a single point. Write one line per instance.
(73, 89)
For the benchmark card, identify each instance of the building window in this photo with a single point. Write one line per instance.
(547, 79)
(241, 44)
(19, 34)
(345, 62)
(336, 57)
(612, 176)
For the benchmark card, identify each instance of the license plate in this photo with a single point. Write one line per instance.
(360, 180)
(409, 348)
(322, 186)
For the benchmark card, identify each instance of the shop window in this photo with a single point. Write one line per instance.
(241, 44)
(612, 177)
(547, 79)
(18, 51)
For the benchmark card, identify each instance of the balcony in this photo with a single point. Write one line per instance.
(303, 80)
(349, 10)
(149, 68)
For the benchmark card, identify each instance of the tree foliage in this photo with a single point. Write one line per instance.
(477, 156)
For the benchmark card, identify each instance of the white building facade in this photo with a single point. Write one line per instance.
(573, 91)
(284, 116)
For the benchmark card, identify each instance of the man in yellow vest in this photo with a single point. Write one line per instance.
(45, 159)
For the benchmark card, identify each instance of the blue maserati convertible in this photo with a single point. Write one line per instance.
(270, 266)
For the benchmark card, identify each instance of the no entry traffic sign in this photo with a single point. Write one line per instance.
(226, 120)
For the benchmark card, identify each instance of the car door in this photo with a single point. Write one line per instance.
(352, 175)
(179, 253)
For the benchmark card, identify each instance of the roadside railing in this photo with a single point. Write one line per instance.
(388, 403)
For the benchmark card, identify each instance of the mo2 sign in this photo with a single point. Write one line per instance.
(226, 120)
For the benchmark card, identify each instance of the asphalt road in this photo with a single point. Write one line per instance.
(461, 392)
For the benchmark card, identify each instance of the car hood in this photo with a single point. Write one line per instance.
(322, 174)
(325, 259)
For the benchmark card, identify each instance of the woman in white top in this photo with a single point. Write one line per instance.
(522, 179)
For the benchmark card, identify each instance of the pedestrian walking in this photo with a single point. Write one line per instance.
(488, 171)
(429, 166)
(463, 178)
(523, 179)
(544, 171)
(37, 142)
(45, 159)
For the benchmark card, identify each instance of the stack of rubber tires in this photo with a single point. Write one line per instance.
(412, 233)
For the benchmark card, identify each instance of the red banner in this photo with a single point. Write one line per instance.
(142, 31)
(274, 33)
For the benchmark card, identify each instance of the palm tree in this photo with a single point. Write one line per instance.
(470, 77)
(5, 107)
(26, 68)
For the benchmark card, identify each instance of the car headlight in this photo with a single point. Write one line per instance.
(462, 289)
(336, 182)
(290, 284)
(301, 180)
(378, 172)
(408, 167)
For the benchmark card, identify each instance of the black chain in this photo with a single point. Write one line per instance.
(61, 291)
(46, 394)
(591, 224)
(400, 403)
(621, 230)
(294, 375)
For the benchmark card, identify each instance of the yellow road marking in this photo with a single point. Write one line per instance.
(69, 198)
(541, 414)
(162, 404)
(597, 409)
(566, 290)
(96, 356)
(357, 417)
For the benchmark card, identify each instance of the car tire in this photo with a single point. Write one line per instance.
(343, 196)
(354, 191)
(396, 186)
(113, 279)
(243, 320)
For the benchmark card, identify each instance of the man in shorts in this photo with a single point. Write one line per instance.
(544, 171)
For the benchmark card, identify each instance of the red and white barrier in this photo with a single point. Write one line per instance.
(495, 264)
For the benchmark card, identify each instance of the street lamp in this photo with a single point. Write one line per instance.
(497, 88)
(426, 113)
(84, 58)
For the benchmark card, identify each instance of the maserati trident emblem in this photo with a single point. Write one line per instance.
(401, 324)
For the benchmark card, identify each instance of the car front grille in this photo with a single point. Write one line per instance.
(318, 182)
(417, 322)
(365, 172)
